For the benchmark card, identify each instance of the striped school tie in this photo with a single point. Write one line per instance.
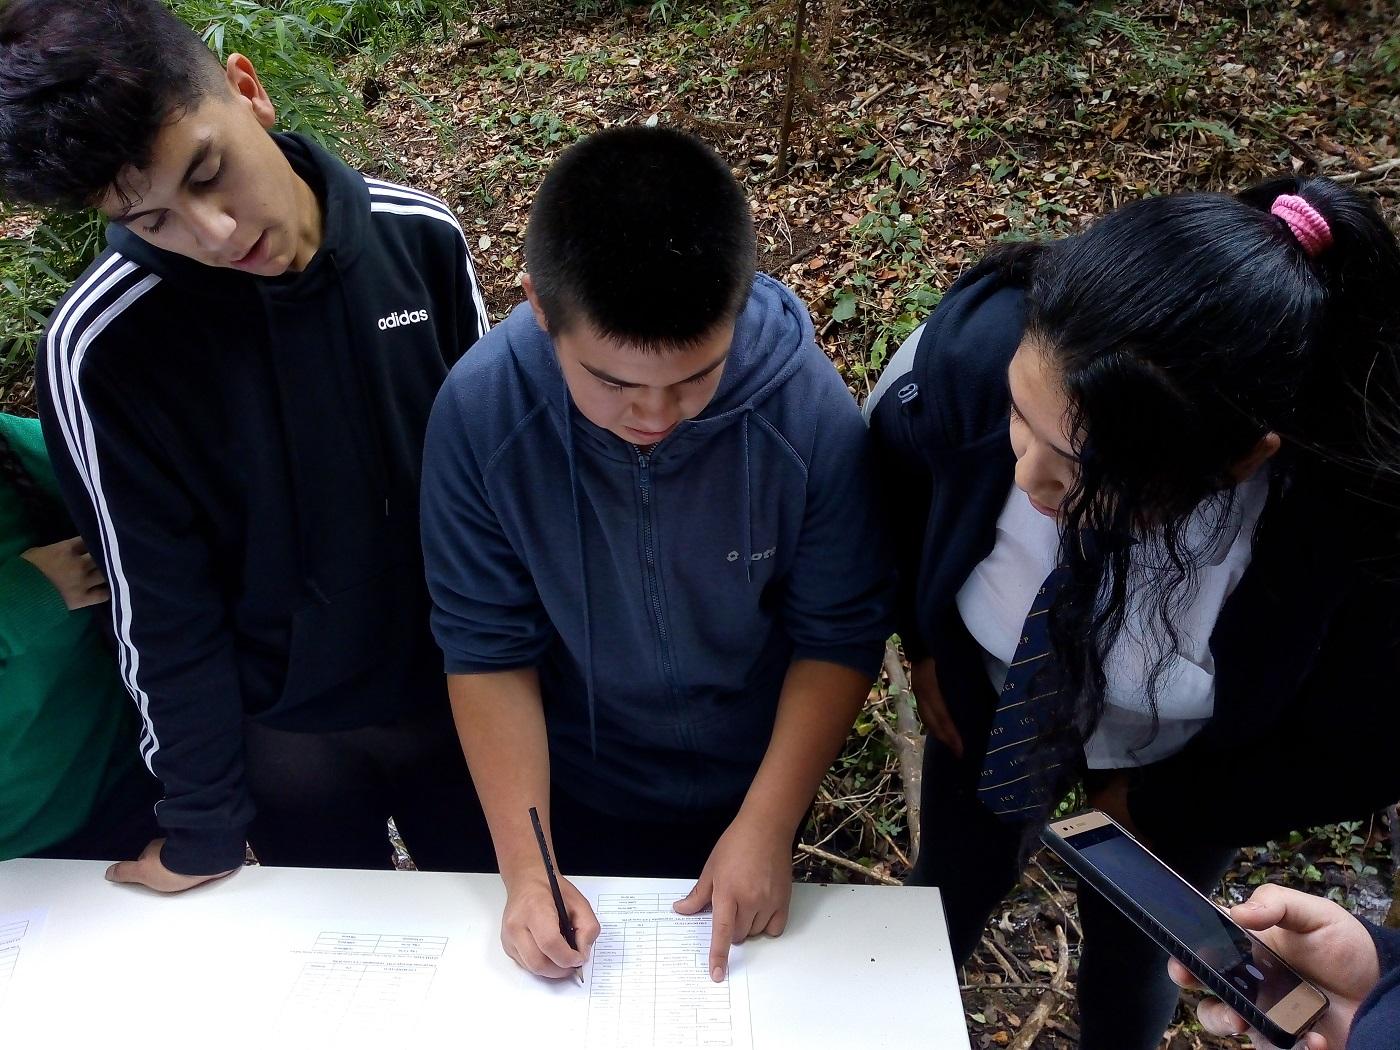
(1011, 784)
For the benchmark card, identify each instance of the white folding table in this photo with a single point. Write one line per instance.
(274, 958)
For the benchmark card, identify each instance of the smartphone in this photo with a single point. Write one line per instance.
(1227, 959)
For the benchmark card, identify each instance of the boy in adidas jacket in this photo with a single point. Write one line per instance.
(235, 395)
(653, 550)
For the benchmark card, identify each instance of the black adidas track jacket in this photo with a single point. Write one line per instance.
(242, 457)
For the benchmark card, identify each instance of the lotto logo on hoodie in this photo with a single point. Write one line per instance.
(403, 317)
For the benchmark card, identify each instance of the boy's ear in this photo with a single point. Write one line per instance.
(243, 81)
(534, 300)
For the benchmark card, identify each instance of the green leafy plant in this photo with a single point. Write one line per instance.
(894, 286)
(35, 271)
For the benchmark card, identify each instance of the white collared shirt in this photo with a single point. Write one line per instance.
(996, 597)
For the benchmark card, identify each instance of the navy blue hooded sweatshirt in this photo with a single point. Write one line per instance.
(662, 595)
(242, 456)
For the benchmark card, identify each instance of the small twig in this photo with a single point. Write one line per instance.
(924, 59)
(1392, 821)
(889, 840)
(1027, 1035)
(865, 102)
(1026, 986)
(1011, 969)
(1307, 153)
(899, 154)
(1378, 171)
(805, 253)
(849, 865)
(1058, 897)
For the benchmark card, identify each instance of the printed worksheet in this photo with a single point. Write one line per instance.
(354, 985)
(649, 982)
(19, 935)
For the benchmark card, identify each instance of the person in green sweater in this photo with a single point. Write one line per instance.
(71, 784)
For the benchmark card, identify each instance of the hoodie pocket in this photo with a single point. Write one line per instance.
(364, 628)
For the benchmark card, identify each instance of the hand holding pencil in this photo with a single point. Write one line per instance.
(566, 926)
(531, 929)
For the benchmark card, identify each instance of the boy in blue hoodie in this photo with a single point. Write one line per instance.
(652, 548)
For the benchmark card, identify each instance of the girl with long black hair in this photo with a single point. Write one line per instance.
(71, 780)
(1146, 481)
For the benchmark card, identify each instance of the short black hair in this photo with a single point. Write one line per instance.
(645, 235)
(85, 86)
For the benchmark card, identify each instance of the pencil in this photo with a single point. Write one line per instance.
(566, 928)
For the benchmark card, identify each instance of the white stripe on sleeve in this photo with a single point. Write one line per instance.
(76, 424)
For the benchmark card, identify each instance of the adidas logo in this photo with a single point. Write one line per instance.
(402, 318)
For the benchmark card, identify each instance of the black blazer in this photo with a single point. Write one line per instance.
(1307, 647)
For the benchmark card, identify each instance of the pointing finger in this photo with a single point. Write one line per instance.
(721, 937)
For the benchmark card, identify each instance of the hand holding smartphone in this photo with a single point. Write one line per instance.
(1225, 958)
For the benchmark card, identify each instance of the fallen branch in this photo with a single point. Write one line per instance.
(868, 99)
(908, 743)
(849, 865)
(1377, 171)
(1043, 1009)
(896, 49)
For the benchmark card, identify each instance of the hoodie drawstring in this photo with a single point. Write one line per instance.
(378, 456)
(582, 571)
(305, 542)
(747, 508)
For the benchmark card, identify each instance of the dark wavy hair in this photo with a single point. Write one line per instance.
(85, 86)
(644, 234)
(1183, 330)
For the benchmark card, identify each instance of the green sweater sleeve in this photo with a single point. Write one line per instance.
(30, 607)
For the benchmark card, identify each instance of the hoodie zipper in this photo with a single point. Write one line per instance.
(649, 557)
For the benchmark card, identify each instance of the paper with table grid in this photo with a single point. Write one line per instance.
(19, 933)
(358, 986)
(649, 982)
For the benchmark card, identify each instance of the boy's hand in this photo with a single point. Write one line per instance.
(933, 711)
(71, 570)
(1319, 939)
(748, 882)
(530, 926)
(147, 870)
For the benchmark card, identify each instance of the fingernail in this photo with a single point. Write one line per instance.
(717, 974)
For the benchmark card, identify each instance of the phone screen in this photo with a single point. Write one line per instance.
(1253, 969)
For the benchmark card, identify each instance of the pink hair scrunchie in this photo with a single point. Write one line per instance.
(1305, 221)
